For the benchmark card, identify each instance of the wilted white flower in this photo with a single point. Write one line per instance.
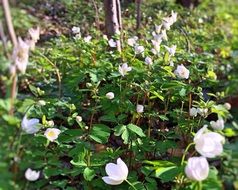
(105, 37)
(110, 95)
(139, 108)
(32, 175)
(182, 72)
(193, 112)
(217, 125)
(52, 134)
(87, 39)
(79, 118)
(30, 126)
(76, 30)
(197, 168)
(139, 49)
(208, 144)
(132, 41)
(202, 111)
(21, 55)
(227, 106)
(34, 33)
(117, 173)
(12, 69)
(112, 43)
(124, 69)
(148, 61)
(171, 49)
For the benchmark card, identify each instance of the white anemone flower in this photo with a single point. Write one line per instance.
(34, 33)
(32, 175)
(75, 30)
(158, 28)
(112, 43)
(87, 39)
(171, 49)
(203, 112)
(217, 125)
(21, 55)
(30, 126)
(52, 134)
(139, 108)
(227, 106)
(139, 49)
(124, 69)
(110, 95)
(132, 41)
(182, 72)
(208, 144)
(197, 168)
(117, 173)
(193, 112)
(148, 61)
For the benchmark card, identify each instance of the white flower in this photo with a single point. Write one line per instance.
(124, 69)
(117, 173)
(79, 118)
(227, 106)
(132, 41)
(76, 30)
(52, 134)
(202, 111)
(110, 95)
(32, 175)
(139, 108)
(77, 36)
(112, 43)
(21, 55)
(171, 49)
(148, 61)
(156, 45)
(208, 144)
(193, 112)
(200, 20)
(182, 72)
(171, 64)
(164, 35)
(197, 168)
(139, 49)
(34, 34)
(174, 16)
(87, 39)
(217, 125)
(30, 126)
(169, 21)
(12, 69)
(41, 102)
(158, 28)
(50, 123)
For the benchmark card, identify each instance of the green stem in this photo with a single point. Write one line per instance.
(200, 185)
(185, 152)
(131, 184)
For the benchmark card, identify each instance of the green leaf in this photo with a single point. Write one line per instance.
(100, 133)
(137, 130)
(88, 174)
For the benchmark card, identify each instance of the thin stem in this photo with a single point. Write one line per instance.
(199, 185)
(56, 70)
(131, 184)
(185, 152)
(8, 18)
(13, 93)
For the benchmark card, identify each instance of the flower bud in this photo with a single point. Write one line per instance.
(110, 95)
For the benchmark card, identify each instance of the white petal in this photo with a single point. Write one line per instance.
(111, 181)
(124, 168)
(114, 171)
